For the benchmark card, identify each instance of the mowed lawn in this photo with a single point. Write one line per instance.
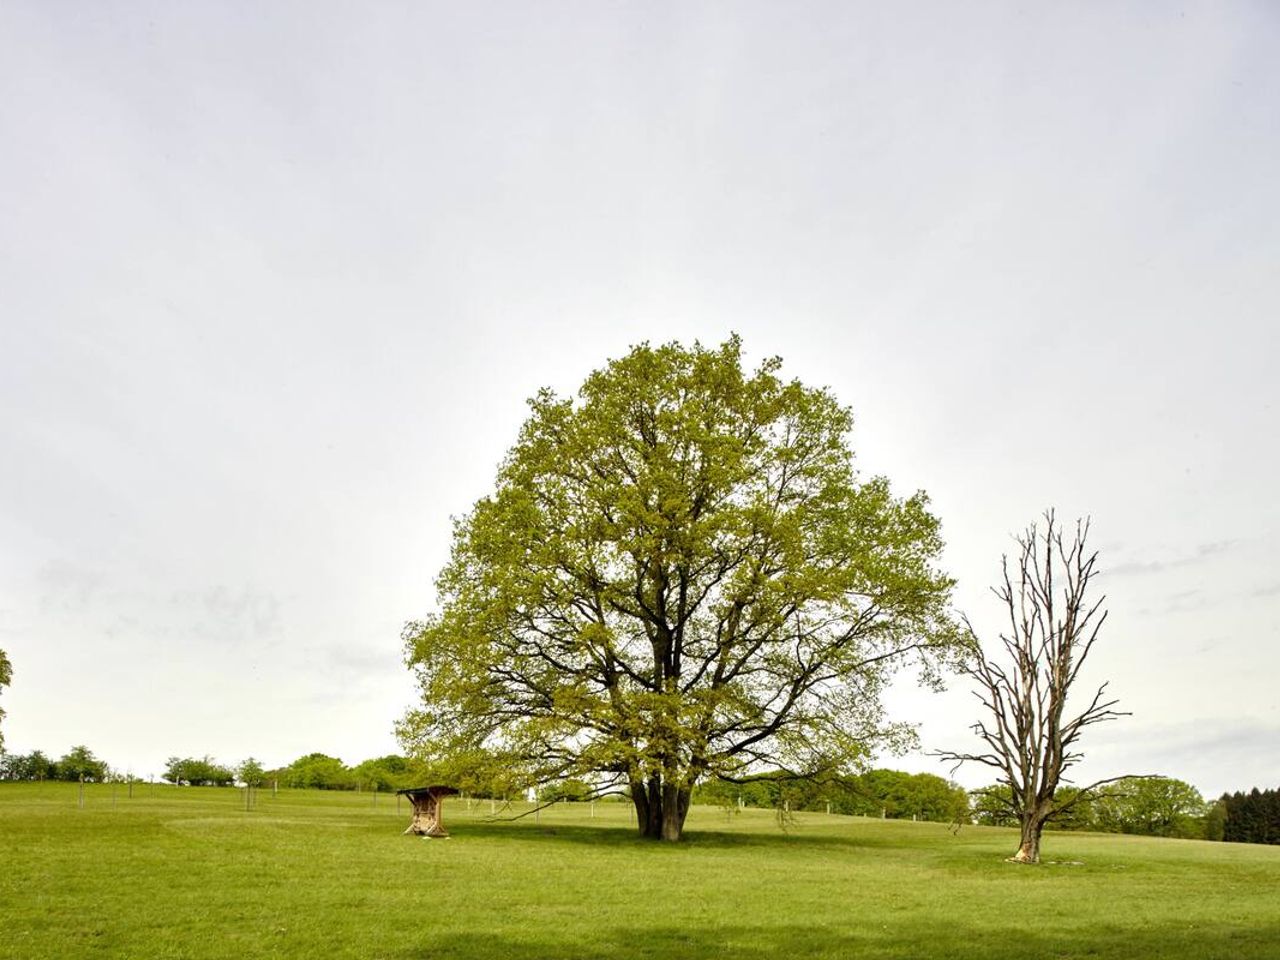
(187, 872)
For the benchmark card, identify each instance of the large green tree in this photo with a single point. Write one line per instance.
(679, 576)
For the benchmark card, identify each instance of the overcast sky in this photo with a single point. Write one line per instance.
(277, 279)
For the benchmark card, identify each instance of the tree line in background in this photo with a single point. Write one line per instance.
(1146, 806)
(312, 771)
(875, 793)
(1252, 817)
(78, 763)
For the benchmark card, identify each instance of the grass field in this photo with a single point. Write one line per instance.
(187, 872)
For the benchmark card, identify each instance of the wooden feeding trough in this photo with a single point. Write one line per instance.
(428, 805)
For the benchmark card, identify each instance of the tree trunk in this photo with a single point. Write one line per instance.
(675, 807)
(1029, 847)
(646, 795)
(660, 808)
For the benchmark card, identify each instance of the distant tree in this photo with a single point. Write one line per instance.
(1151, 806)
(993, 806)
(80, 763)
(1215, 821)
(318, 771)
(1075, 812)
(250, 773)
(203, 771)
(391, 772)
(680, 576)
(923, 796)
(575, 790)
(1030, 738)
(874, 793)
(6, 677)
(764, 791)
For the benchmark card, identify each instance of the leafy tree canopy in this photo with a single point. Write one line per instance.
(874, 793)
(319, 771)
(198, 771)
(680, 576)
(79, 762)
(250, 773)
(392, 772)
(1153, 806)
(32, 766)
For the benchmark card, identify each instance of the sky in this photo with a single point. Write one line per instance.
(276, 281)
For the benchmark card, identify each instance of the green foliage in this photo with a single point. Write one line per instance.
(1151, 806)
(1075, 810)
(250, 773)
(32, 766)
(895, 794)
(572, 790)
(79, 763)
(392, 772)
(680, 576)
(204, 771)
(875, 793)
(993, 806)
(1252, 817)
(318, 771)
(1215, 822)
(477, 772)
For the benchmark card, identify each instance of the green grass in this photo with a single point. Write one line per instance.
(186, 872)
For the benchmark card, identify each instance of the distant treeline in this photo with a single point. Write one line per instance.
(1252, 817)
(78, 763)
(875, 793)
(1149, 806)
(314, 770)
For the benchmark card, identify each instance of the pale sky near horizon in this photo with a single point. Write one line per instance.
(276, 280)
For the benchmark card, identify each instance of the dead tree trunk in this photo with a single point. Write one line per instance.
(1032, 825)
(1029, 737)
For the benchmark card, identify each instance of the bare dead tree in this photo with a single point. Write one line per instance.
(1030, 738)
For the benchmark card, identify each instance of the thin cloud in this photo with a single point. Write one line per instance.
(1206, 551)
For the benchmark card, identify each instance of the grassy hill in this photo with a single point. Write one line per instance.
(187, 872)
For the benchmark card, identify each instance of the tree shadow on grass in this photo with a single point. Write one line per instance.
(906, 941)
(613, 836)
